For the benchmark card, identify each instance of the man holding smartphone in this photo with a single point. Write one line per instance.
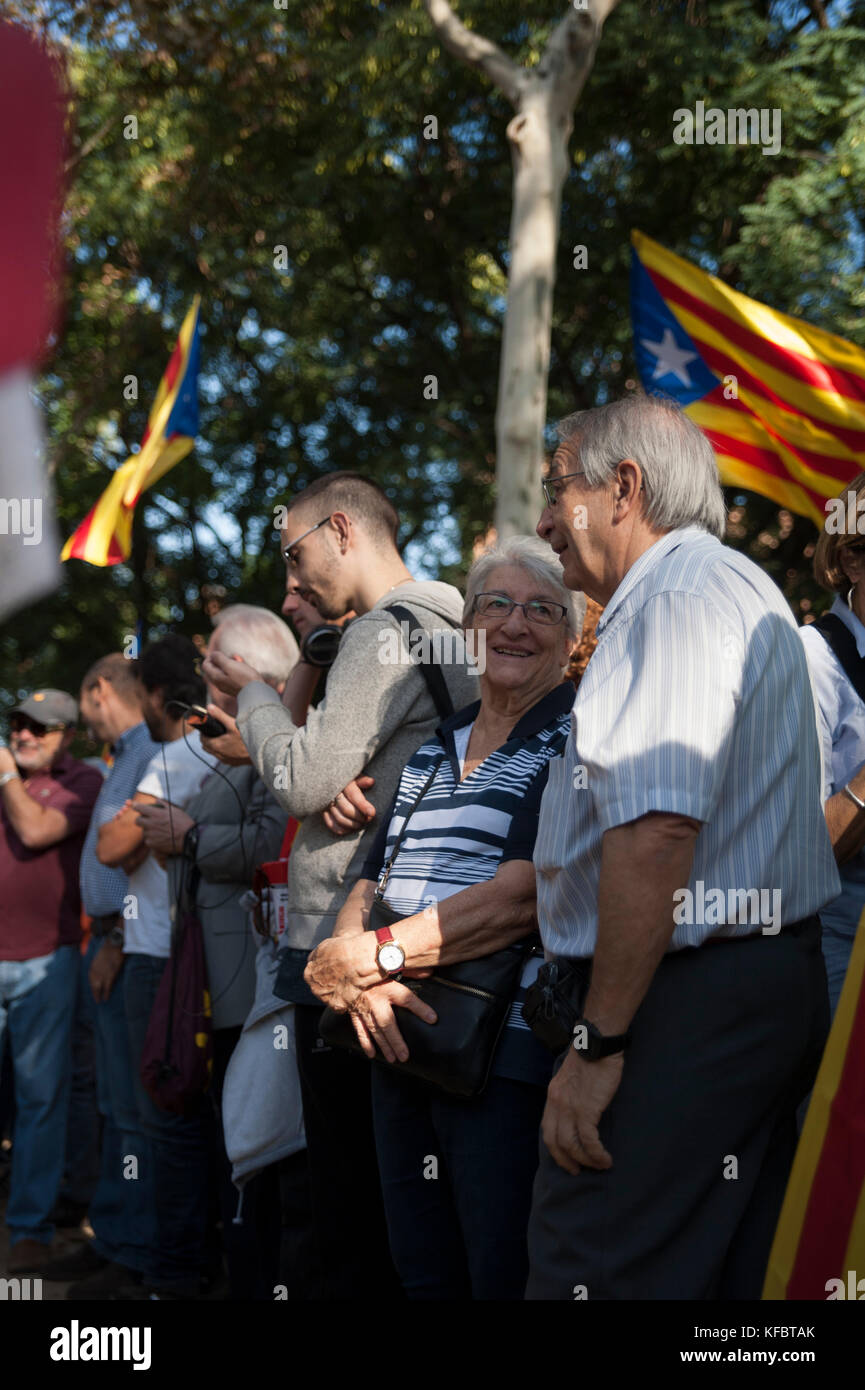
(169, 684)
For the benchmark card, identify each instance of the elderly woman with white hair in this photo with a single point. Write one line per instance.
(453, 861)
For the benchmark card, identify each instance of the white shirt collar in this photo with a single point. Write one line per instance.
(641, 567)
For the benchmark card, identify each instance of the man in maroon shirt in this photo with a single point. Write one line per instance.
(46, 800)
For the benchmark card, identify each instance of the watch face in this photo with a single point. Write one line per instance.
(391, 957)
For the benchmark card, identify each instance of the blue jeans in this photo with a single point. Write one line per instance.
(837, 945)
(83, 1130)
(181, 1144)
(37, 1006)
(122, 1212)
(457, 1226)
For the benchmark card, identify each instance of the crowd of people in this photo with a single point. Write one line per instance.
(493, 1003)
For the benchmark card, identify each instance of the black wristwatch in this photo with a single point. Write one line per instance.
(115, 936)
(190, 843)
(591, 1043)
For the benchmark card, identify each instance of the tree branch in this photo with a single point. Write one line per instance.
(571, 47)
(89, 144)
(477, 51)
(819, 13)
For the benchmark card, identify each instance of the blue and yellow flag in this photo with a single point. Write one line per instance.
(105, 535)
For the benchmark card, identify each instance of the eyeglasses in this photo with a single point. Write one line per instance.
(549, 485)
(18, 722)
(537, 610)
(289, 550)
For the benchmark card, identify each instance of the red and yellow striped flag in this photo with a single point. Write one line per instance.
(783, 402)
(105, 535)
(819, 1246)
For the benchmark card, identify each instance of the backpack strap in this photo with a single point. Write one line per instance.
(843, 644)
(430, 670)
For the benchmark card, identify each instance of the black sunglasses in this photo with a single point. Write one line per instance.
(18, 722)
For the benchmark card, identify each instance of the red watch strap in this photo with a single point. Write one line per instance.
(383, 934)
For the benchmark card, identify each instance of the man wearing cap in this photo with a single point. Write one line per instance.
(46, 800)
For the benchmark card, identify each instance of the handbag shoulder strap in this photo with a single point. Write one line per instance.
(430, 670)
(385, 873)
(843, 644)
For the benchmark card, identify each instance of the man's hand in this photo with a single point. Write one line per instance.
(163, 828)
(7, 762)
(104, 969)
(228, 673)
(578, 1095)
(350, 809)
(228, 747)
(375, 1023)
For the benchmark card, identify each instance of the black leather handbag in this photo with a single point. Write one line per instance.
(471, 1000)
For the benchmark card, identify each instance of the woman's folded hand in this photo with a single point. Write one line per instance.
(375, 1023)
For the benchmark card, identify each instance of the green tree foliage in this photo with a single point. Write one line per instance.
(302, 127)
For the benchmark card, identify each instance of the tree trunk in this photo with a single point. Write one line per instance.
(544, 100)
(540, 167)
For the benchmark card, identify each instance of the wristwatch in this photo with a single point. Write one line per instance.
(9, 777)
(389, 955)
(115, 936)
(190, 843)
(591, 1044)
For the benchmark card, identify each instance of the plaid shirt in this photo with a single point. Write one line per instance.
(103, 889)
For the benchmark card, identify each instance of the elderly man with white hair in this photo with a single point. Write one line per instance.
(231, 825)
(681, 857)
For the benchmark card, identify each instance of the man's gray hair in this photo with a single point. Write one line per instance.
(534, 555)
(263, 640)
(680, 474)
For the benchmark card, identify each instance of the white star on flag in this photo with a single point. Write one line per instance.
(671, 357)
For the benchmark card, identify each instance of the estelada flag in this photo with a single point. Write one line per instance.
(782, 402)
(105, 535)
(819, 1246)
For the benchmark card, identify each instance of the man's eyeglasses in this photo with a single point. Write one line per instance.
(537, 610)
(18, 722)
(549, 485)
(290, 551)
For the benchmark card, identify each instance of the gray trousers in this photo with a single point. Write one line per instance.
(702, 1131)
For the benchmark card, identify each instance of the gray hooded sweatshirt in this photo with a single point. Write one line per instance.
(376, 713)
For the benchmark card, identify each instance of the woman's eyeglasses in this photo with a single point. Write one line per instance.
(537, 610)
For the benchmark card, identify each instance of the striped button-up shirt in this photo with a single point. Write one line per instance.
(103, 889)
(697, 702)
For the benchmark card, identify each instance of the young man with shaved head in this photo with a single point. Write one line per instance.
(121, 1212)
(339, 540)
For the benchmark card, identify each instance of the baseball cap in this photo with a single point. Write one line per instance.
(49, 707)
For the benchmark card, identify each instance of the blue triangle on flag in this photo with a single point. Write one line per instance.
(667, 357)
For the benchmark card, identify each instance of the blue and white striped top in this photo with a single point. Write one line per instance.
(463, 830)
(697, 701)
